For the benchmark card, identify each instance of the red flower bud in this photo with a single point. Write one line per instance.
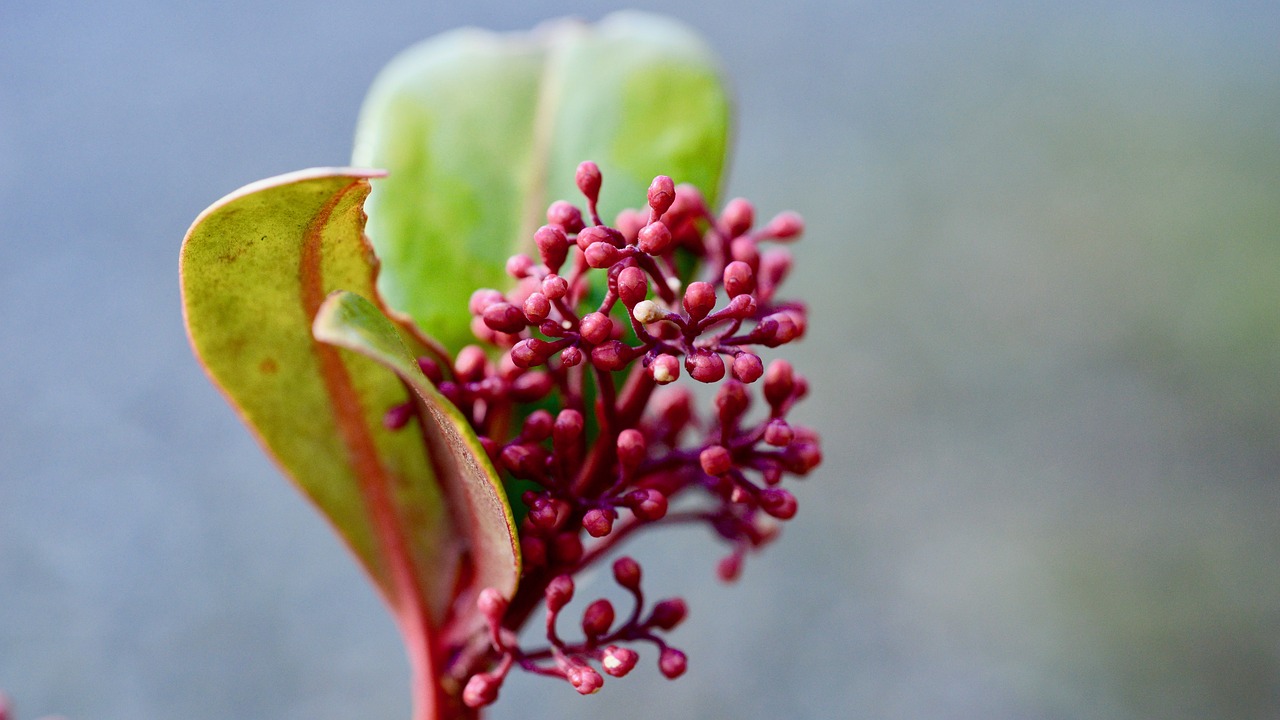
(537, 427)
(715, 460)
(492, 605)
(518, 266)
(592, 235)
(571, 356)
(665, 369)
(553, 246)
(597, 618)
(483, 298)
(554, 287)
(584, 679)
(567, 429)
(654, 238)
(631, 448)
(633, 286)
(779, 381)
(482, 689)
(504, 317)
(747, 367)
(559, 592)
(662, 192)
(699, 299)
(668, 613)
(588, 179)
(778, 502)
(396, 417)
(778, 433)
(738, 278)
(536, 307)
(595, 328)
(627, 572)
(672, 663)
(566, 548)
(732, 400)
(737, 217)
(618, 661)
(729, 567)
(602, 255)
(611, 355)
(648, 505)
(566, 215)
(469, 364)
(598, 522)
(784, 226)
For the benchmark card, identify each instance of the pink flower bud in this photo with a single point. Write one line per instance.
(668, 613)
(715, 460)
(654, 239)
(571, 357)
(784, 226)
(704, 366)
(747, 367)
(611, 355)
(396, 417)
(529, 352)
(566, 215)
(665, 369)
(567, 429)
(738, 278)
(632, 285)
(597, 618)
(518, 266)
(737, 217)
(504, 317)
(537, 427)
(744, 249)
(699, 299)
(533, 551)
(595, 328)
(662, 192)
(672, 663)
(602, 255)
(647, 505)
(598, 522)
(483, 298)
(729, 567)
(741, 307)
(779, 381)
(732, 400)
(553, 246)
(778, 502)
(584, 679)
(618, 661)
(629, 223)
(482, 689)
(492, 605)
(775, 265)
(559, 592)
(469, 364)
(588, 179)
(554, 287)
(802, 457)
(631, 448)
(537, 307)
(778, 433)
(627, 572)
(431, 369)
(590, 236)
(566, 548)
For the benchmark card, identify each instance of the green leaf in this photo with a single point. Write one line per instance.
(256, 267)
(469, 481)
(481, 131)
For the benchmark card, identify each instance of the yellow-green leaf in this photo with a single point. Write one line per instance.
(481, 131)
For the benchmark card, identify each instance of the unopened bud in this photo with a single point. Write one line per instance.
(729, 567)
(559, 592)
(567, 429)
(632, 285)
(518, 266)
(567, 548)
(744, 249)
(668, 613)
(672, 663)
(602, 255)
(801, 457)
(598, 522)
(588, 179)
(529, 352)
(611, 355)
(738, 278)
(779, 381)
(566, 215)
(618, 661)
(554, 287)
(431, 369)
(595, 327)
(627, 572)
(784, 226)
(774, 267)
(665, 369)
(469, 364)
(482, 689)
(597, 618)
(654, 238)
(704, 366)
(590, 236)
(537, 427)
(504, 317)
(737, 217)
(715, 460)
(483, 298)
(553, 246)
(631, 448)
(571, 357)
(492, 605)
(747, 367)
(699, 299)
(778, 433)
(533, 551)
(584, 679)
(662, 192)
(741, 307)
(647, 311)
(536, 307)
(648, 505)
(732, 400)
(778, 502)
(629, 223)
(396, 417)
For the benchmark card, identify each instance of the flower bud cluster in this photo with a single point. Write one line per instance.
(584, 408)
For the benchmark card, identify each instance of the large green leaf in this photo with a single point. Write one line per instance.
(481, 131)
(469, 481)
(256, 267)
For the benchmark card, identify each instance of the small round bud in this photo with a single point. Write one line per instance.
(629, 223)
(668, 613)
(431, 369)
(631, 448)
(737, 217)
(533, 551)
(588, 179)
(747, 367)
(776, 329)
(654, 238)
(738, 279)
(778, 502)
(665, 369)
(566, 548)
(492, 605)
(741, 307)
(536, 307)
(729, 567)
(597, 522)
(744, 249)
(778, 433)
(647, 311)
(801, 457)
(529, 352)
(775, 265)
(602, 255)
(584, 679)
(715, 460)
(784, 226)
(597, 618)
(611, 355)
(542, 511)
(537, 427)
(518, 266)
(595, 327)
(627, 572)
(553, 246)
(566, 215)
(704, 366)
(647, 505)
(567, 429)
(482, 689)
(483, 298)
(618, 661)
(632, 285)
(779, 381)
(662, 192)
(590, 236)
(469, 364)
(396, 417)
(559, 592)
(554, 287)
(672, 663)
(699, 299)
(504, 317)
(732, 401)
(571, 357)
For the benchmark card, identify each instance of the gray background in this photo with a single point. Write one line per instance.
(1044, 262)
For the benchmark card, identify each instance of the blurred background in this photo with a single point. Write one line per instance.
(1044, 264)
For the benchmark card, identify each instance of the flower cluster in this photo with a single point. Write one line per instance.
(574, 411)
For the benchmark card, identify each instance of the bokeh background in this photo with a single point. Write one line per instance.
(1044, 264)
